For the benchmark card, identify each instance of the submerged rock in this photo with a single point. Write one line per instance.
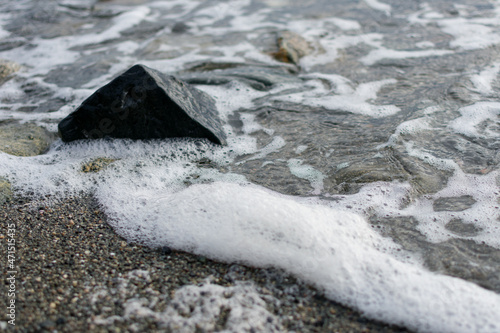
(259, 78)
(291, 47)
(6, 69)
(24, 139)
(143, 103)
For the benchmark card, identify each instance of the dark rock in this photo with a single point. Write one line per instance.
(180, 27)
(61, 321)
(143, 103)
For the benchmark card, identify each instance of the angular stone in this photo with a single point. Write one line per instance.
(143, 103)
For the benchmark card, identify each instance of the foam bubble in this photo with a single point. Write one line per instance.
(192, 307)
(3, 33)
(384, 53)
(377, 5)
(483, 81)
(195, 307)
(300, 149)
(343, 95)
(474, 115)
(304, 171)
(483, 214)
(337, 251)
(407, 128)
(470, 32)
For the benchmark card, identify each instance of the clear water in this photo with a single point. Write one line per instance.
(369, 169)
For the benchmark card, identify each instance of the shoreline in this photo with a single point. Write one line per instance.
(70, 264)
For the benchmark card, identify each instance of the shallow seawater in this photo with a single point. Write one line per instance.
(370, 168)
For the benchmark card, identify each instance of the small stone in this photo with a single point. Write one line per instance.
(143, 103)
(458, 227)
(291, 47)
(165, 250)
(24, 139)
(180, 27)
(453, 204)
(61, 321)
(48, 324)
(97, 164)
(7, 68)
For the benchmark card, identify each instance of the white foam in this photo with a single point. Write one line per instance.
(315, 27)
(483, 214)
(470, 32)
(483, 81)
(47, 54)
(305, 171)
(425, 44)
(335, 250)
(3, 33)
(377, 5)
(275, 145)
(343, 95)
(384, 53)
(300, 149)
(407, 128)
(345, 24)
(194, 307)
(474, 115)
(331, 44)
(122, 22)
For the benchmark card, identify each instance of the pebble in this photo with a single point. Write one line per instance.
(25, 139)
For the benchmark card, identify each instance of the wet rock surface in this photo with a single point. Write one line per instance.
(24, 139)
(142, 103)
(261, 78)
(453, 204)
